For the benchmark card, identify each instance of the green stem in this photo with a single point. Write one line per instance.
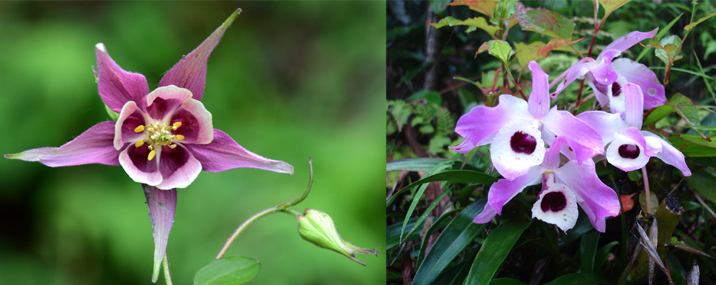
(167, 275)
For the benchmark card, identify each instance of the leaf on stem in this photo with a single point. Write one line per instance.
(497, 48)
(474, 23)
(228, 270)
(486, 7)
(547, 22)
(692, 25)
(611, 5)
(494, 251)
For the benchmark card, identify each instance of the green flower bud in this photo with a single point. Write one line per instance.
(317, 227)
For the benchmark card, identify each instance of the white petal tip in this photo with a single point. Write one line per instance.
(100, 47)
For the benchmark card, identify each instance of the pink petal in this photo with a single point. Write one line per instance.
(486, 215)
(597, 200)
(577, 71)
(669, 154)
(634, 104)
(539, 98)
(162, 205)
(605, 123)
(504, 190)
(617, 153)
(135, 162)
(129, 119)
(556, 205)
(602, 72)
(583, 139)
(95, 145)
(466, 146)
(190, 72)
(481, 122)
(601, 92)
(224, 153)
(641, 75)
(165, 100)
(178, 167)
(625, 42)
(116, 86)
(516, 148)
(552, 157)
(196, 123)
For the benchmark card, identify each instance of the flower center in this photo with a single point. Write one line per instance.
(523, 143)
(629, 151)
(616, 89)
(158, 135)
(553, 201)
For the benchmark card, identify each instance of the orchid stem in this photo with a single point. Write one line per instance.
(646, 188)
(285, 207)
(167, 275)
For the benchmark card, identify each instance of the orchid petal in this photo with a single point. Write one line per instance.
(605, 124)
(539, 98)
(162, 205)
(95, 145)
(116, 86)
(178, 167)
(164, 100)
(601, 91)
(583, 139)
(466, 146)
(621, 152)
(596, 199)
(504, 190)
(556, 205)
(602, 72)
(129, 119)
(487, 214)
(641, 75)
(190, 72)
(634, 104)
(516, 148)
(135, 162)
(669, 154)
(196, 123)
(625, 42)
(577, 71)
(224, 153)
(552, 157)
(617, 102)
(481, 122)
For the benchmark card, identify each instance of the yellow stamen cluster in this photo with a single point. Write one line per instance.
(158, 135)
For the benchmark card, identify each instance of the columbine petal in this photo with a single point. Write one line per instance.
(596, 199)
(628, 150)
(481, 122)
(224, 153)
(605, 124)
(578, 70)
(556, 205)
(583, 139)
(190, 72)
(116, 86)
(516, 148)
(668, 153)
(178, 167)
(641, 75)
(504, 190)
(539, 98)
(95, 145)
(634, 105)
(162, 205)
(129, 119)
(196, 123)
(135, 162)
(625, 42)
(164, 100)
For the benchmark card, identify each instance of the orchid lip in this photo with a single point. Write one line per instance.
(553, 201)
(629, 151)
(616, 89)
(523, 143)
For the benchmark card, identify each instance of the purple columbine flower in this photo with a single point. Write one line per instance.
(627, 147)
(518, 130)
(607, 77)
(563, 188)
(162, 139)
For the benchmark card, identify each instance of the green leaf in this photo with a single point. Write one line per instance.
(392, 233)
(658, 114)
(486, 7)
(611, 5)
(661, 33)
(456, 236)
(654, 201)
(455, 275)
(669, 51)
(703, 181)
(228, 270)
(494, 251)
(539, 50)
(400, 112)
(460, 176)
(547, 22)
(602, 255)
(477, 22)
(691, 149)
(497, 48)
(112, 114)
(578, 279)
(687, 111)
(588, 251)
(506, 281)
(692, 25)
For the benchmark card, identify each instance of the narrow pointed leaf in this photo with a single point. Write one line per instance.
(392, 233)
(703, 181)
(658, 114)
(228, 271)
(162, 205)
(578, 279)
(588, 251)
(494, 251)
(456, 236)
(460, 176)
(704, 18)
(506, 281)
(602, 255)
(547, 22)
(414, 164)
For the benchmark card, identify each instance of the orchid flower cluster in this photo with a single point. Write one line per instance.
(518, 133)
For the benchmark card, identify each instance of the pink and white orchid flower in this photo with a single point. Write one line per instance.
(162, 139)
(607, 77)
(518, 130)
(627, 147)
(563, 188)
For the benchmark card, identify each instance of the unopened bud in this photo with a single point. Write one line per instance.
(318, 228)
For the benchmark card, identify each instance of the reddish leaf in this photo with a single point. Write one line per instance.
(486, 7)
(546, 22)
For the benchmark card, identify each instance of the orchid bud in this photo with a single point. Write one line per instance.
(318, 228)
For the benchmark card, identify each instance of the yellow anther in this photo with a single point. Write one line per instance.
(176, 125)
(180, 137)
(151, 147)
(151, 155)
(139, 129)
(173, 146)
(139, 143)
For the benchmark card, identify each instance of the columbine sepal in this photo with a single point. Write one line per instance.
(318, 228)
(162, 205)
(556, 205)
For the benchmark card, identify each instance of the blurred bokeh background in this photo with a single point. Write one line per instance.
(289, 81)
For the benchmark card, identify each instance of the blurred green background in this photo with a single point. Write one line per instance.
(289, 81)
